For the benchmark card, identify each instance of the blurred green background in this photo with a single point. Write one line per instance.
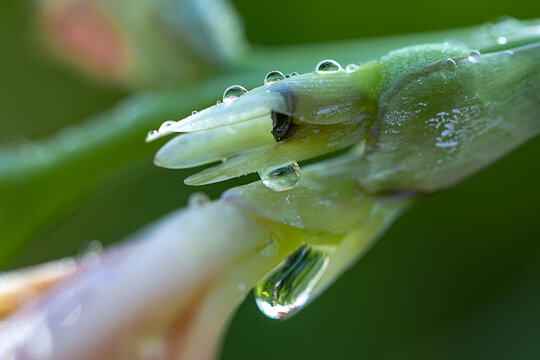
(457, 276)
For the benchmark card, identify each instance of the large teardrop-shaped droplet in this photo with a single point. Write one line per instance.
(328, 66)
(273, 76)
(281, 176)
(234, 91)
(287, 289)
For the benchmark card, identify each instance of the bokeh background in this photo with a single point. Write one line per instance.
(457, 276)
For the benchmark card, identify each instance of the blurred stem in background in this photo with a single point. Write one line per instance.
(143, 43)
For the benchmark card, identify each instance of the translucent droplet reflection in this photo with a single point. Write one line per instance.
(273, 76)
(166, 125)
(448, 64)
(151, 133)
(281, 177)
(474, 56)
(328, 66)
(198, 199)
(351, 68)
(91, 251)
(234, 91)
(288, 288)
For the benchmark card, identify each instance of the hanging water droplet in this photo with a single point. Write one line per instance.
(287, 289)
(198, 199)
(328, 66)
(166, 125)
(501, 40)
(351, 67)
(448, 64)
(234, 91)
(284, 176)
(294, 73)
(474, 56)
(273, 76)
(194, 112)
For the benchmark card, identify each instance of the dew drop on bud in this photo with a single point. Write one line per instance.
(448, 64)
(351, 67)
(474, 56)
(328, 66)
(166, 125)
(273, 76)
(501, 40)
(218, 102)
(284, 176)
(294, 73)
(90, 252)
(287, 289)
(234, 91)
(194, 112)
(152, 135)
(198, 199)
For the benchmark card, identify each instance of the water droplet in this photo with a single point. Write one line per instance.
(68, 265)
(474, 56)
(287, 289)
(351, 67)
(328, 66)
(273, 76)
(501, 40)
(194, 112)
(218, 102)
(448, 64)
(294, 73)
(166, 125)
(241, 287)
(198, 199)
(90, 254)
(284, 176)
(92, 246)
(234, 91)
(152, 133)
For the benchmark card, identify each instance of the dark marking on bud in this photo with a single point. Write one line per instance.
(283, 126)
